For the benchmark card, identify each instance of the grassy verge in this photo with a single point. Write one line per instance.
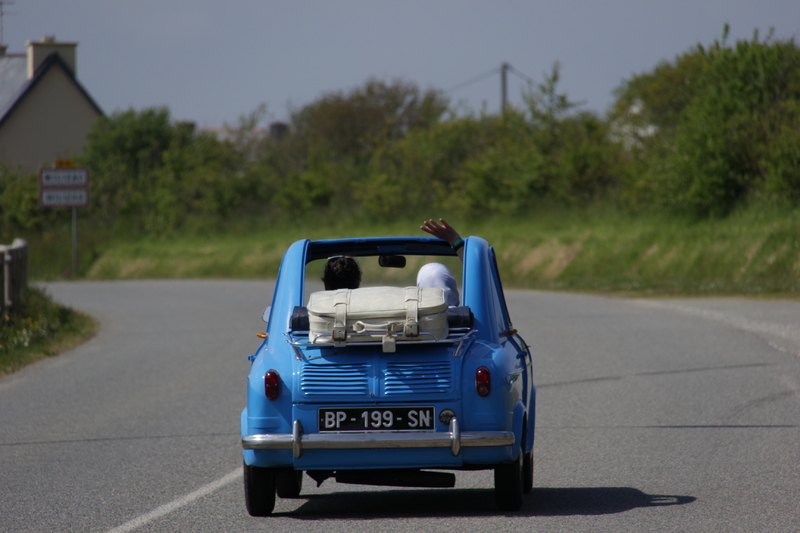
(39, 329)
(754, 252)
(749, 253)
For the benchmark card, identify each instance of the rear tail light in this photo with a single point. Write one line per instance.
(483, 382)
(272, 385)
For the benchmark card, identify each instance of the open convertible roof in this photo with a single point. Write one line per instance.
(371, 246)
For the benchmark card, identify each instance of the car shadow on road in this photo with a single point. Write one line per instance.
(476, 502)
(598, 500)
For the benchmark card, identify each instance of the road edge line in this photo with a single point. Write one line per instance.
(174, 505)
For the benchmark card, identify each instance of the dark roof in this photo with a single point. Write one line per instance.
(13, 75)
(15, 87)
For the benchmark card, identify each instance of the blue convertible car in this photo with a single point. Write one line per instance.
(398, 401)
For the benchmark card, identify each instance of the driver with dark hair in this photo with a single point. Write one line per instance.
(341, 272)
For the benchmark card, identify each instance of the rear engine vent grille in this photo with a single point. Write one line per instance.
(334, 380)
(418, 378)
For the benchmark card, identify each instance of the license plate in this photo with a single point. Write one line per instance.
(376, 418)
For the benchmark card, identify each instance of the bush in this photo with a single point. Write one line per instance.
(733, 134)
(36, 327)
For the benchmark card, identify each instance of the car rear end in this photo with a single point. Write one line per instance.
(359, 407)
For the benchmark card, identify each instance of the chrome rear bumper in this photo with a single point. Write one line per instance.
(297, 441)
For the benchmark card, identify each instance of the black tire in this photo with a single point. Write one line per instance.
(527, 472)
(508, 479)
(259, 490)
(289, 483)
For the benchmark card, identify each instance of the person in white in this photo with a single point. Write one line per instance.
(437, 275)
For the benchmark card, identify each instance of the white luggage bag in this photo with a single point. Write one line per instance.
(377, 314)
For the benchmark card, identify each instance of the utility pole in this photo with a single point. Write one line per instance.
(503, 87)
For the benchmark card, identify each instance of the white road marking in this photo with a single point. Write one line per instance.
(784, 331)
(174, 505)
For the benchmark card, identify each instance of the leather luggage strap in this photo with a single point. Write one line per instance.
(411, 327)
(341, 301)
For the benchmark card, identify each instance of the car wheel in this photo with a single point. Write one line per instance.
(289, 483)
(508, 479)
(527, 472)
(259, 490)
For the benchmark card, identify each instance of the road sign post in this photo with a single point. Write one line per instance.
(65, 186)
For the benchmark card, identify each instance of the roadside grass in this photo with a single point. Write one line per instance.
(40, 328)
(751, 252)
(50, 249)
(250, 249)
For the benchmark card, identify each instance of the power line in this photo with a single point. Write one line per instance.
(473, 81)
(520, 74)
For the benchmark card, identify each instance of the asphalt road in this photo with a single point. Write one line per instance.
(653, 415)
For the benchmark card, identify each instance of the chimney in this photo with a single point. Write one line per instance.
(39, 51)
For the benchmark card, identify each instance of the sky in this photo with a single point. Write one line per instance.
(212, 62)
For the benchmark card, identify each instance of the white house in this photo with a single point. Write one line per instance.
(45, 113)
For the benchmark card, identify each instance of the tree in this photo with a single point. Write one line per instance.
(722, 144)
(122, 150)
(714, 128)
(655, 100)
(576, 153)
(160, 174)
(19, 202)
(353, 124)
